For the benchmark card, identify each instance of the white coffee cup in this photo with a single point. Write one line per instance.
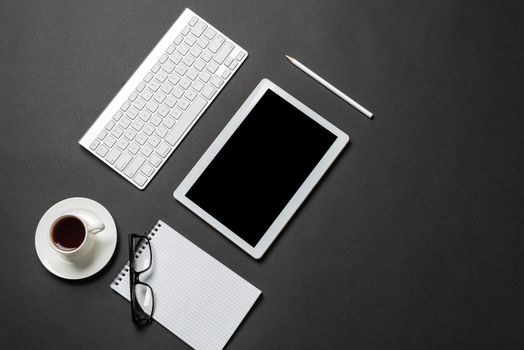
(72, 233)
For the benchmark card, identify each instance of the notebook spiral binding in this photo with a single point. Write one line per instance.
(125, 269)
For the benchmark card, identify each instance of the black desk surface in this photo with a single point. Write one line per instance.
(412, 240)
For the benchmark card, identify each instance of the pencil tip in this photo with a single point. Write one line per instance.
(290, 58)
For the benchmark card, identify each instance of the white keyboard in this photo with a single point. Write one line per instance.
(163, 99)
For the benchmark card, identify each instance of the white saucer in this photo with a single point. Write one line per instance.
(87, 264)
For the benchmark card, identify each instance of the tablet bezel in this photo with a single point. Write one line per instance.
(300, 195)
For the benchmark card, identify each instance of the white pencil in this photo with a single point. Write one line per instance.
(330, 87)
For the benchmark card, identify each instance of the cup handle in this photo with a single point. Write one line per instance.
(95, 228)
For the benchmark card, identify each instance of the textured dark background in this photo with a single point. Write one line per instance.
(412, 240)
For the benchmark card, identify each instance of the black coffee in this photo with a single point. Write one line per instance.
(68, 233)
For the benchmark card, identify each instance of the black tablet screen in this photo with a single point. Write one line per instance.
(260, 167)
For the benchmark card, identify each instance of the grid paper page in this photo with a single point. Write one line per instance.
(196, 297)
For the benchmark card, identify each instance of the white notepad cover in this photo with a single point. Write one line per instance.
(196, 297)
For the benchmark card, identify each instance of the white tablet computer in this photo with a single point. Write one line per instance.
(261, 167)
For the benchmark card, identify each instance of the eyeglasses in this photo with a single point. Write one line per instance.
(140, 259)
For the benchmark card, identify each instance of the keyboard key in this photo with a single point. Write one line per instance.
(205, 76)
(102, 150)
(170, 101)
(190, 95)
(147, 94)
(212, 67)
(152, 106)
(147, 169)
(161, 76)
(233, 64)
(94, 144)
(206, 56)
(192, 74)
(145, 115)
(163, 149)
(102, 135)
(185, 83)
(137, 125)
(166, 88)
(188, 119)
(178, 92)
(169, 66)
(224, 51)
(153, 141)
(163, 58)
(186, 30)
(163, 110)
(190, 40)
(176, 58)
(197, 85)
(216, 43)
(154, 85)
(141, 138)
(156, 120)
(183, 103)
(113, 155)
(146, 150)
(228, 61)
(174, 78)
(216, 81)
(125, 106)
(202, 42)
(159, 97)
(178, 39)
(141, 87)
(188, 61)
(155, 68)
(148, 77)
(240, 55)
(183, 49)
(133, 96)
(169, 122)
(176, 113)
(133, 148)
(181, 70)
(148, 130)
(210, 33)
(199, 64)
(122, 143)
(139, 103)
(124, 122)
(117, 131)
(195, 51)
(123, 161)
(199, 28)
(208, 92)
(171, 49)
(110, 125)
(132, 113)
(193, 21)
(226, 73)
(133, 167)
(117, 115)
(161, 131)
(130, 134)
(110, 141)
(140, 179)
(155, 160)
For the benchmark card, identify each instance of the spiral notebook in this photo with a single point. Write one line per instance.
(197, 298)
